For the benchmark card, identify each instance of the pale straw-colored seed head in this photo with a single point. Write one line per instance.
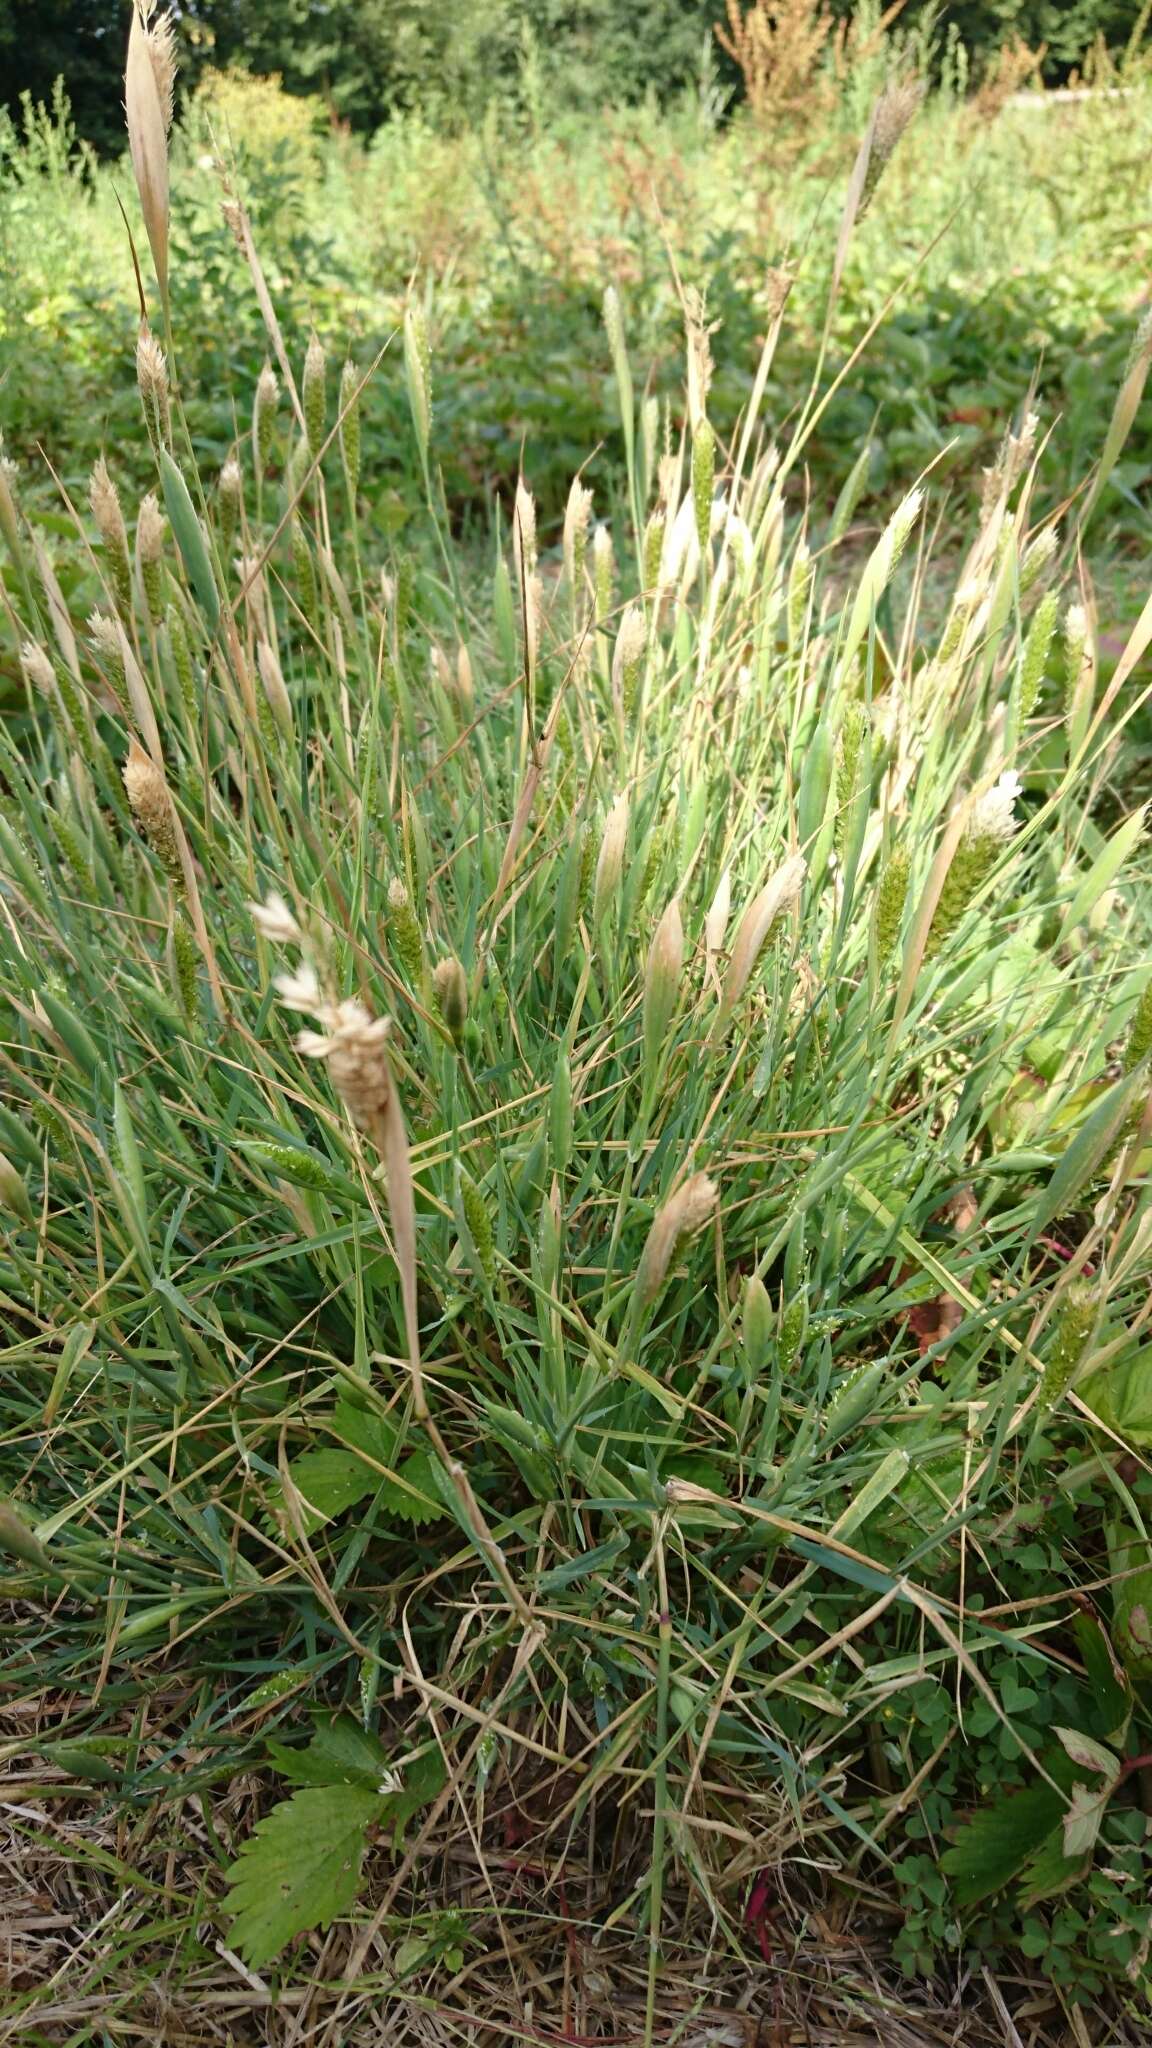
(719, 911)
(148, 88)
(36, 668)
(275, 688)
(274, 921)
(152, 380)
(104, 633)
(353, 1043)
(231, 483)
(610, 861)
(777, 896)
(697, 332)
(524, 532)
(150, 526)
(233, 214)
(151, 803)
(314, 394)
(465, 687)
(105, 502)
(577, 514)
(683, 1216)
(993, 815)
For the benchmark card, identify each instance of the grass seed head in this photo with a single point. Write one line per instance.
(151, 804)
(451, 991)
(315, 397)
(36, 669)
(577, 514)
(152, 381)
(350, 425)
(352, 1043)
(683, 1216)
(264, 417)
(149, 80)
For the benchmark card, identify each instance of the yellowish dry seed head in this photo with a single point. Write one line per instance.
(264, 417)
(610, 861)
(699, 353)
(465, 688)
(719, 911)
(151, 804)
(524, 532)
(36, 669)
(315, 393)
(233, 214)
(105, 503)
(149, 79)
(577, 514)
(451, 991)
(150, 524)
(353, 1045)
(152, 381)
(770, 903)
(665, 965)
(104, 633)
(275, 921)
(684, 1215)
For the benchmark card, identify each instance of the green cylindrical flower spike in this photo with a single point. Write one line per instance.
(264, 418)
(350, 426)
(848, 753)
(1034, 659)
(315, 396)
(305, 572)
(183, 963)
(404, 935)
(479, 1225)
(451, 991)
(1139, 1032)
(1070, 1339)
(703, 481)
(890, 900)
(989, 829)
(229, 498)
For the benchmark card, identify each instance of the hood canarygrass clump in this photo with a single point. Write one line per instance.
(779, 927)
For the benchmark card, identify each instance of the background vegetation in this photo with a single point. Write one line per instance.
(608, 1478)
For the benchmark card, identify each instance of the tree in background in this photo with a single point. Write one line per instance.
(365, 58)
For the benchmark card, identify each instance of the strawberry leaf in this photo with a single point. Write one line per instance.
(300, 1869)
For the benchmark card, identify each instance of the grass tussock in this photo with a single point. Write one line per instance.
(575, 1238)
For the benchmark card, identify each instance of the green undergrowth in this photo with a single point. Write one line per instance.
(660, 1373)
